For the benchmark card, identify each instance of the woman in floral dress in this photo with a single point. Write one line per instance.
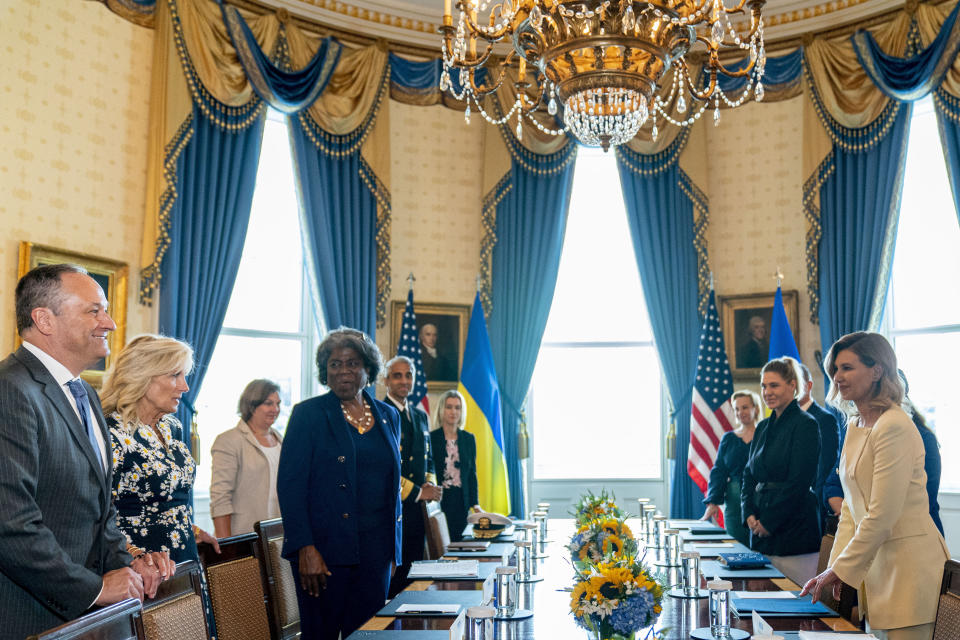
(153, 469)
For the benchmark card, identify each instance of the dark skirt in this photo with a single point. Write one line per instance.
(455, 509)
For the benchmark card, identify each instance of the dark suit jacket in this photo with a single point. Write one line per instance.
(58, 532)
(416, 461)
(829, 445)
(467, 446)
(778, 483)
(317, 479)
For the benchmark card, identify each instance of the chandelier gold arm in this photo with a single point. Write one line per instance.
(465, 63)
(477, 31)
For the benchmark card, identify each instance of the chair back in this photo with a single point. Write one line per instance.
(283, 612)
(115, 622)
(947, 625)
(848, 595)
(438, 535)
(236, 589)
(177, 611)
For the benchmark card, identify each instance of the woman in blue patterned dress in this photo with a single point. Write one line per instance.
(153, 469)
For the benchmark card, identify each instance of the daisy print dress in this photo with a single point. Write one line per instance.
(151, 486)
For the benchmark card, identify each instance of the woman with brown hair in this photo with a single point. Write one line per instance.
(777, 499)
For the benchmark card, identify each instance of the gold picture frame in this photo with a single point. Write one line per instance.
(111, 275)
(451, 321)
(746, 354)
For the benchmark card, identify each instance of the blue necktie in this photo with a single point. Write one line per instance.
(83, 406)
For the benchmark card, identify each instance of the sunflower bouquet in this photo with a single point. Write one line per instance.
(604, 540)
(592, 507)
(615, 600)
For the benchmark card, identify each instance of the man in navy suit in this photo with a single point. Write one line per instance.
(829, 434)
(60, 549)
(418, 481)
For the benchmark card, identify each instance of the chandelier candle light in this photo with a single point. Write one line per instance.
(600, 64)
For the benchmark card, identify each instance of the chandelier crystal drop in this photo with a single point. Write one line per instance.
(600, 68)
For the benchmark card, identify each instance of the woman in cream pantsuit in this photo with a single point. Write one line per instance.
(887, 545)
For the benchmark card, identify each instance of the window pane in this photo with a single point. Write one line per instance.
(267, 293)
(926, 291)
(598, 295)
(934, 393)
(580, 429)
(236, 361)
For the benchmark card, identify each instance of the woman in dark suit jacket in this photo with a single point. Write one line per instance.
(455, 459)
(339, 489)
(777, 500)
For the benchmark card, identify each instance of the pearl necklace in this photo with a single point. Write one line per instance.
(364, 423)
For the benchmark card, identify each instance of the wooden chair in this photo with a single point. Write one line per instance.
(177, 612)
(283, 612)
(947, 626)
(438, 535)
(848, 595)
(114, 622)
(235, 587)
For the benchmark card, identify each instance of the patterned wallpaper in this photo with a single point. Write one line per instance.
(74, 98)
(436, 166)
(756, 222)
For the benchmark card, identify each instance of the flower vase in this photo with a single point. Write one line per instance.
(613, 635)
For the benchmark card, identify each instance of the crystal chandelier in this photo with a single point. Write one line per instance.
(601, 64)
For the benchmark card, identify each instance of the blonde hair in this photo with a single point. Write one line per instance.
(138, 363)
(452, 393)
(788, 369)
(872, 349)
(754, 398)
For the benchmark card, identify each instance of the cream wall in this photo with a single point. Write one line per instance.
(74, 96)
(756, 219)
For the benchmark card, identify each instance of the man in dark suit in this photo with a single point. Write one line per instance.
(418, 481)
(60, 550)
(829, 435)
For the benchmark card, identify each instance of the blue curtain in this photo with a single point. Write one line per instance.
(910, 78)
(339, 224)
(859, 206)
(285, 90)
(660, 204)
(780, 74)
(215, 174)
(530, 221)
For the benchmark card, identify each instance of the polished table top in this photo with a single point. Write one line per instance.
(551, 603)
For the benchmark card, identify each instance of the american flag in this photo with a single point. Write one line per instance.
(409, 346)
(712, 411)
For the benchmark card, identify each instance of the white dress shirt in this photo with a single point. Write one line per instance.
(62, 375)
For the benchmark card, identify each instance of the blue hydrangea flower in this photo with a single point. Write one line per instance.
(633, 612)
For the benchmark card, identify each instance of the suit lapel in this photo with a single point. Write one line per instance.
(56, 396)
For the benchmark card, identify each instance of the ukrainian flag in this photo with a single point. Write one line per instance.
(478, 384)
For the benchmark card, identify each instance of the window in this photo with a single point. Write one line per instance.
(268, 331)
(598, 345)
(923, 307)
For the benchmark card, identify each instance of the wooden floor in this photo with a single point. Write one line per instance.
(551, 604)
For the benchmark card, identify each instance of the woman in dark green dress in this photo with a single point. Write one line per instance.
(724, 488)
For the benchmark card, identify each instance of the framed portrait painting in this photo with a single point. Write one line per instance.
(443, 334)
(745, 320)
(112, 277)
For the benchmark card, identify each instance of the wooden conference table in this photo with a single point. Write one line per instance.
(551, 604)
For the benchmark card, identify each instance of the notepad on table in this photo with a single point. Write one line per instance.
(833, 635)
(456, 569)
(469, 545)
(430, 609)
(786, 595)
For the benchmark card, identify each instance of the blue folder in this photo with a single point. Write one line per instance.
(782, 607)
(713, 569)
(396, 634)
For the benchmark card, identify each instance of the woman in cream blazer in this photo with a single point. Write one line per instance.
(243, 489)
(887, 545)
